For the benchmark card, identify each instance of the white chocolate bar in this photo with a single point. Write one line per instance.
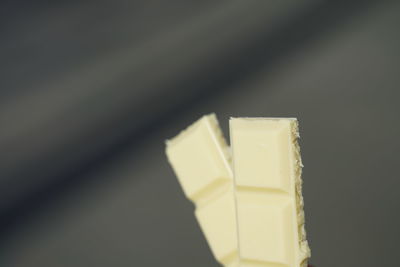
(269, 203)
(200, 160)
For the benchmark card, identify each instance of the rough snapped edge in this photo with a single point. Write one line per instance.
(219, 138)
(303, 244)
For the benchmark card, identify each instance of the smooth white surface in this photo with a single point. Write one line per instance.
(199, 158)
(266, 168)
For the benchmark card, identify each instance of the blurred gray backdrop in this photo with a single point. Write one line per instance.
(90, 90)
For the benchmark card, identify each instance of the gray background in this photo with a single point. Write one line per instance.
(89, 91)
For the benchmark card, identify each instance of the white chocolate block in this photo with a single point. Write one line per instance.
(267, 170)
(200, 160)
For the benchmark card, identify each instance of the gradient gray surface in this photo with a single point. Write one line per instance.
(91, 91)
